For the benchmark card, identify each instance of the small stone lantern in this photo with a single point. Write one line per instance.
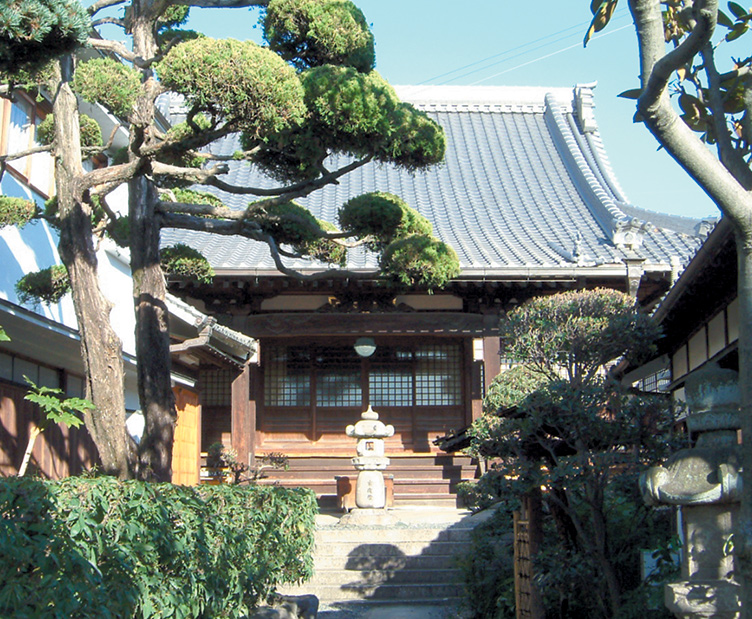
(370, 491)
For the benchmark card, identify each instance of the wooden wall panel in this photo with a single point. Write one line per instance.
(58, 452)
(186, 450)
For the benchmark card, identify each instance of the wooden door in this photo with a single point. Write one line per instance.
(187, 446)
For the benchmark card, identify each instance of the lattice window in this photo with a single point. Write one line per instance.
(657, 382)
(216, 387)
(287, 380)
(391, 381)
(338, 377)
(438, 377)
(428, 375)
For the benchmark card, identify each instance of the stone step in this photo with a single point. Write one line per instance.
(393, 535)
(405, 576)
(374, 591)
(360, 564)
(384, 549)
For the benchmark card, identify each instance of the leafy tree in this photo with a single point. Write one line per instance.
(557, 422)
(707, 129)
(56, 409)
(311, 92)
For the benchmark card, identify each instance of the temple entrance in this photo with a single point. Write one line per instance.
(312, 391)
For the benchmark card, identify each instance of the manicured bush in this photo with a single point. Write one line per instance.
(104, 548)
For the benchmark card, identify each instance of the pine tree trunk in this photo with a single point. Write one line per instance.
(101, 348)
(152, 334)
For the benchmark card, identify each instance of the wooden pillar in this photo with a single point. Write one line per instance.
(491, 358)
(241, 428)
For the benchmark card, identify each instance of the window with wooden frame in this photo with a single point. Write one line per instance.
(336, 377)
(20, 118)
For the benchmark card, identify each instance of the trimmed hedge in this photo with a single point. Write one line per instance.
(103, 548)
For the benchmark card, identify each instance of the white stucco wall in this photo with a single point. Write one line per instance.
(34, 247)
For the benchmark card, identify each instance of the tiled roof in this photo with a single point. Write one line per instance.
(525, 186)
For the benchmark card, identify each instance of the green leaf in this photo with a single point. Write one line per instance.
(55, 408)
(724, 20)
(738, 31)
(4, 336)
(633, 93)
(738, 11)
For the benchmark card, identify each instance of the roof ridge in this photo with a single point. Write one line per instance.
(605, 210)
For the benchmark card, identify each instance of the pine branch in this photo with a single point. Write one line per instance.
(103, 4)
(26, 153)
(252, 231)
(292, 191)
(109, 20)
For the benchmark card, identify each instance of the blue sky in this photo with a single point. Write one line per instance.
(500, 42)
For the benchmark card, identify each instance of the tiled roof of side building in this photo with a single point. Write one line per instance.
(525, 185)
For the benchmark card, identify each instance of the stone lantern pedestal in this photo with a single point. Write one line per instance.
(704, 482)
(370, 462)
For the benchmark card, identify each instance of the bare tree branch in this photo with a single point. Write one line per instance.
(195, 175)
(103, 4)
(109, 20)
(296, 190)
(26, 153)
(727, 153)
(115, 47)
(107, 177)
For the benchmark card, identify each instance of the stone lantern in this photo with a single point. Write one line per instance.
(370, 490)
(704, 482)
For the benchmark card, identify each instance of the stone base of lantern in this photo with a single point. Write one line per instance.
(368, 518)
(716, 599)
(346, 491)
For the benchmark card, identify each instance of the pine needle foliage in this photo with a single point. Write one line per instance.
(419, 260)
(383, 216)
(312, 33)
(32, 32)
(109, 83)
(187, 262)
(16, 211)
(48, 285)
(242, 82)
(91, 132)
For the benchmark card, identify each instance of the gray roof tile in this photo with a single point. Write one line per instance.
(521, 186)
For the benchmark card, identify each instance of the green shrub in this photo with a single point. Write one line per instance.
(104, 548)
(488, 569)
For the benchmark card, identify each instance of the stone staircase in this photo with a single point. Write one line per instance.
(429, 479)
(414, 559)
